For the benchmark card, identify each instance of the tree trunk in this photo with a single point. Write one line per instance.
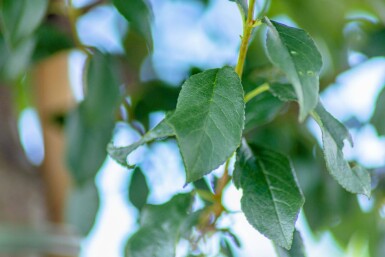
(22, 193)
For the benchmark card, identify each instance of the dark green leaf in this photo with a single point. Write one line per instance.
(156, 96)
(233, 238)
(50, 40)
(119, 154)
(209, 120)
(226, 248)
(82, 207)
(202, 184)
(138, 189)
(293, 51)
(297, 249)
(89, 127)
(271, 197)
(378, 118)
(355, 180)
(86, 144)
(138, 14)
(375, 45)
(159, 231)
(103, 94)
(261, 110)
(20, 18)
(204, 191)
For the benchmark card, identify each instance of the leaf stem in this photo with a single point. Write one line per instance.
(212, 213)
(222, 182)
(259, 90)
(248, 27)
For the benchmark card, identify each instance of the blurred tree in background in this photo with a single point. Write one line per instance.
(48, 206)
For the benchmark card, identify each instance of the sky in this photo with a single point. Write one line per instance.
(183, 37)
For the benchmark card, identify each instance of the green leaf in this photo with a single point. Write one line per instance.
(284, 92)
(137, 13)
(209, 120)
(86, 146)
(50, 40)
(120, 154)
(204, 191)
(335, 128)
(243, 7)
(17, 59)
(375, 45)
(89, 127)
(19, 19)
(138, 189)
(378, 118)
(297, 249)
(355, 180)
(271, 197)
(187, 229)
(226, 248)
(293, 51)
(155, 96)
(159, 231)
(82, 207)
(261, 110)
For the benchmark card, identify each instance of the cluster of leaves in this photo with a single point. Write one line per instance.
(216, 114)
(208, 124)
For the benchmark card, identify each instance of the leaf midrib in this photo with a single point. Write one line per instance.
(262, 166)
(207, 116)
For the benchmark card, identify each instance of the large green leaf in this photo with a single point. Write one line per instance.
(89, 127)
(138, 14)
(82, 207)
(297, 249)
(293, 51)
(271, 197)
(378, 118)
(20, 18)
(209, 120)
(138, 189)
(356, 179)
(162, 130)
(159, 231)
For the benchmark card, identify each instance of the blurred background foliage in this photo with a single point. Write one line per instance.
(47, 206)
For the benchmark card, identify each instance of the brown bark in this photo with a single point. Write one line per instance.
(22, 196)
(34, 199)
(53, 100)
